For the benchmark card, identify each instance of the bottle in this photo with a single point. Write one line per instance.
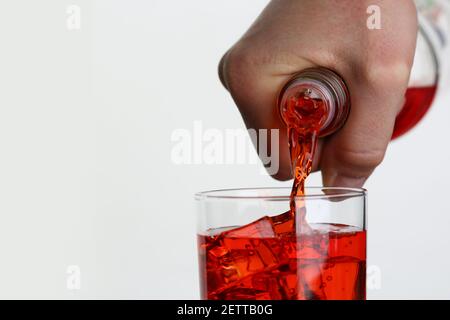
(429, 73)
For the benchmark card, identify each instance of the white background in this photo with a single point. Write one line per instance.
(86, 176)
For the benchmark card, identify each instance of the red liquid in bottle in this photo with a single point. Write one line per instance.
(418, 102)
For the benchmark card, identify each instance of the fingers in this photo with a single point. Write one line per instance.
(350, 156)
(377, 80)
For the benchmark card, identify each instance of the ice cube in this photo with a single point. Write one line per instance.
(247, 250)
(247, 256)
(283, 223)
(261, 228)
(312, 246)
(310, 278)
(268, 282)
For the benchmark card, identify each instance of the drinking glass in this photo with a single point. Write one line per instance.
(251, 246)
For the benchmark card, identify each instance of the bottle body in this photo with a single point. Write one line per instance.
(430, 71)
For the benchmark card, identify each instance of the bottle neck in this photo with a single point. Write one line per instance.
(325, 91)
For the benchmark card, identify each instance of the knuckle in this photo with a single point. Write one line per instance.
(361, 160)
(221, 70)
(383, 75)
(235, 67)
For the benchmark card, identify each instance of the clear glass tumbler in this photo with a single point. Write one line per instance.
(251, 246)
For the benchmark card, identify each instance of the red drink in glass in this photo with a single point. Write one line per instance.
(254, 263)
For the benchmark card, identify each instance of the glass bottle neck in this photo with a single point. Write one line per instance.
(317, 84)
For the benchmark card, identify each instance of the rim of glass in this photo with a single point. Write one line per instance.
(344, 192)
